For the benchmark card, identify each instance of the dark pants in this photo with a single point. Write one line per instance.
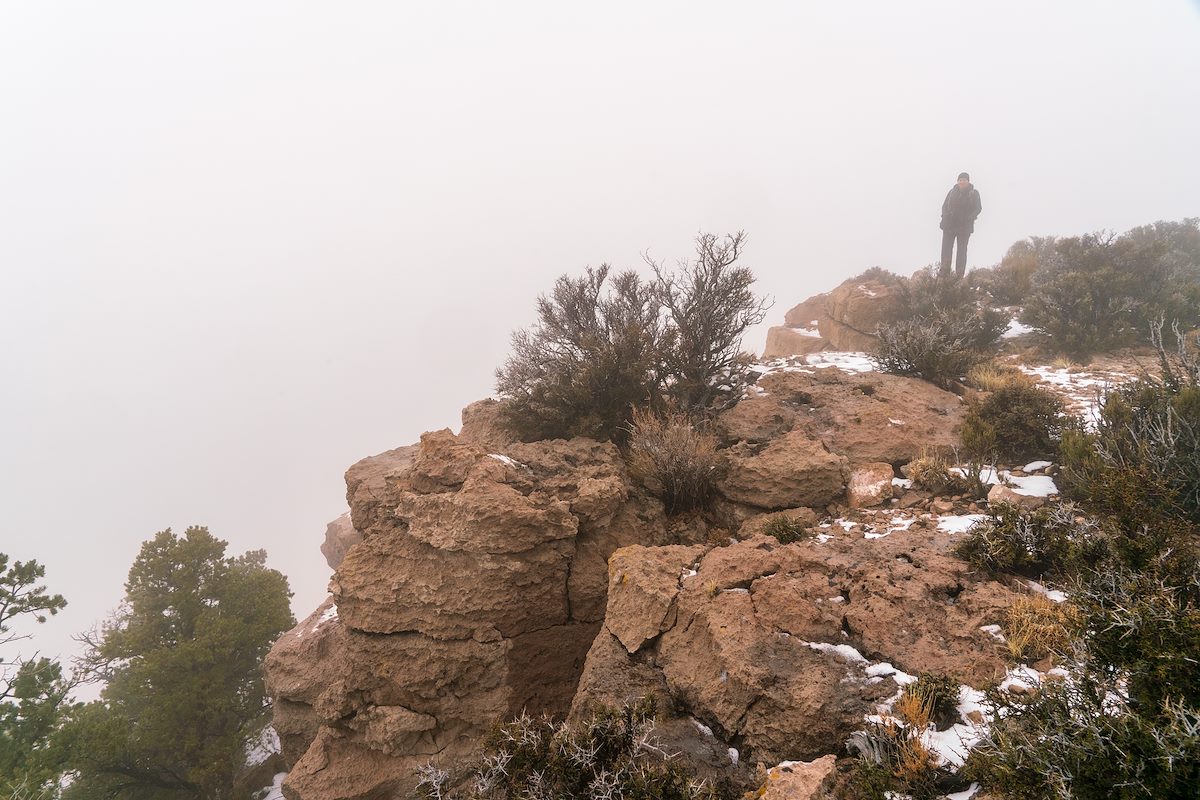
(960, 263)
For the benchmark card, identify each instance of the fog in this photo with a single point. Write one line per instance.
(243, 245)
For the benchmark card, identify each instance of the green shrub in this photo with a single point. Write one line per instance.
(593, 356)
(1070, 741)
(787, 530)
(931, 294)
(1018, 421)
(1010, 282)
(1127, 723)
(1051, 539)
(677, 463)
(604, 756)
(1141, 465)
(1100, 291)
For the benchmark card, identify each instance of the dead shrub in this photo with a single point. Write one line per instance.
(678, 463)
(932, 473)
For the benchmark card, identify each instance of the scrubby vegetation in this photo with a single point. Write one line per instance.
(787, 529)
(1051, 540)
(1017, 421)
(933, 473)
(1126, 724)
(678, 463)
(611, 755)
(1010, 282)
(1099, 291)
(949, 329)
(600, 350)
(893, 759)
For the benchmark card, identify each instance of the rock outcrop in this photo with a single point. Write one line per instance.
(748, 638)
(844, 319)
(475, 593)
(870, 417)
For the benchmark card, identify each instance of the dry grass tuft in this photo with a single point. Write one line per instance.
(991, 375)
(915, 709)
(674, 460)
(1037, 626)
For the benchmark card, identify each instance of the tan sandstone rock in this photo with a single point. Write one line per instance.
(870, 484)
(1000, 494)
(340, 536)
(793, 470)
(476, 592)
(799, 780)
(753, 650)
(870, 417)
(782, 341)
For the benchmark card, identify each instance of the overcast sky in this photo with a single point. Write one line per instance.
(244, 244)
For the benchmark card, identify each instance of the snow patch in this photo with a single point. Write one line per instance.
(1036, 466)
(1031, 485)
(1015, 329)
(503, 459)
(959, 524)
(700, 726)
(274, 791)
(262, 747)
(844, 651)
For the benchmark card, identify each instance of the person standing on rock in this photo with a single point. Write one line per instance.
(959, 211)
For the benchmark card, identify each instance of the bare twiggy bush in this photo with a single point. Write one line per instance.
(709, 305)
(676, 462)
(601, 348)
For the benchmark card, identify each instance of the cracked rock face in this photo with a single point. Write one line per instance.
(732, 640)
(475, 592)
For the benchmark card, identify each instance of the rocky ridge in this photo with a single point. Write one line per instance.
(478, 577)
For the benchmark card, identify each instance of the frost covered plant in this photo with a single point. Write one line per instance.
(1126, 723)
(1052, 539)
(609, 756)
(893, 759)
(935, 348)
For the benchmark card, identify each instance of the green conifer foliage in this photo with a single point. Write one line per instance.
(181, 659)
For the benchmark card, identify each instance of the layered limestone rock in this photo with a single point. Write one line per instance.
(844, 319)
(746, 638)
(475, 593)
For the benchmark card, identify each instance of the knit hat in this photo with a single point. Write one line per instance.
(964, 176)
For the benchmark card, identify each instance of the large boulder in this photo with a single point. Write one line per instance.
(793, 470)
(783, 341)
(476, 591)
(856, 309)
(844, 319)
(340, 536)
(866, 417)
(753, 650)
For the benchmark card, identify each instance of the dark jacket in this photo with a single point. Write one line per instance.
(960, 209)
